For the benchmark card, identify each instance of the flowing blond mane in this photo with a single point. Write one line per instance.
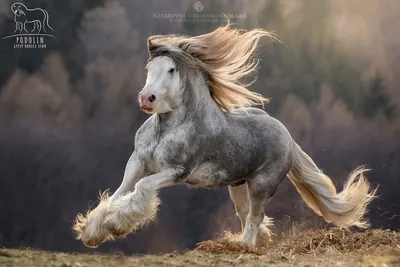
(225, 55)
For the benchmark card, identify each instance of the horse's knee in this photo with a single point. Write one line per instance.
(142, 186)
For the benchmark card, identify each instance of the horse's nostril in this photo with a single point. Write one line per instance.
(151, 98)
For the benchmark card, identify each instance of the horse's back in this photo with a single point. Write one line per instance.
(267, 136)
(35, 14)
(257, 121)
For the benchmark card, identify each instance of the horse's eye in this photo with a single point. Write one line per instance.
(171, 70)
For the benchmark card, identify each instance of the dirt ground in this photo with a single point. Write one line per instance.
(326, 248)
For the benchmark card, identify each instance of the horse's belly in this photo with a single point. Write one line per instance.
(207, 175)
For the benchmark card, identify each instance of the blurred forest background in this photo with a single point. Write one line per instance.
(68, 113)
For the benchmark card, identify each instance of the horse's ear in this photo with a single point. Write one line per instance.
(151, 46)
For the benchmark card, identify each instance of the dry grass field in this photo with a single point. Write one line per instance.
(333, 247)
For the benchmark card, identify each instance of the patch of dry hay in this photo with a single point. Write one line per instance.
(308, 241)
(340, 240)
(229, 243)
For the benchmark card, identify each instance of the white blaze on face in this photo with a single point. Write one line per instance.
(162, 82)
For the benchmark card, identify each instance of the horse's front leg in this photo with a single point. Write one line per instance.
(135, 209)
(21, 26)
(90, 228)
(25, 26)
(16, 27)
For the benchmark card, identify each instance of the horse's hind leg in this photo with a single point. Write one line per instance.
(260, 189)
(240, 199)
(44, 25)
(256, 214)
(34, 26)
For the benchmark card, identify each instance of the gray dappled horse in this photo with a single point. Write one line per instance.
(203, 133)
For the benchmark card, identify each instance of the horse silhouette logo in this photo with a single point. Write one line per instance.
(36, 16)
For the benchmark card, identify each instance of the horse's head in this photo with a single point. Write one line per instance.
(162, 92)
(215, 61)
(18, 9)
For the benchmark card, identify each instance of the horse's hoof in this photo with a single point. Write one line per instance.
(92, 242)
(249, 240)
(90, 232)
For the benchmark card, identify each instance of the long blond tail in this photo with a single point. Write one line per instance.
(343, 209)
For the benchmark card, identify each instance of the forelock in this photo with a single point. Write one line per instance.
(181, 58)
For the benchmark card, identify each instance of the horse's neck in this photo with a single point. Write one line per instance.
(197, 104)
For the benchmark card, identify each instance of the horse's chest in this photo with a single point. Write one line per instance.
(166, 152)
